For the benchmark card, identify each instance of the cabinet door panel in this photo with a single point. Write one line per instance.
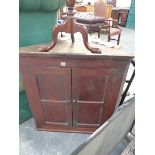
(51, 84)
(95, 94)
(88, 92)
(54, 90)
(56, 112)
(86, 110)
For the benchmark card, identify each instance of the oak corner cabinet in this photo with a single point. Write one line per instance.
(70, 91)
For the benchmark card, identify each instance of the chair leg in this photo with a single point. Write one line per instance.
(118, 39)
(109, 38)
(99, 31)
(61, 35)
(72, 37)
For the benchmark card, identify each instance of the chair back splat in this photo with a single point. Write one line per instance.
(100, 8)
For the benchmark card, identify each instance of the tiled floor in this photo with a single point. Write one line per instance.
(33, 142)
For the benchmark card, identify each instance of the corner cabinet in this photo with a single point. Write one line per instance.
(72, 93)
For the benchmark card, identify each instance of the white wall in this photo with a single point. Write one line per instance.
(123, 3)
(119, 3)
(91, 1)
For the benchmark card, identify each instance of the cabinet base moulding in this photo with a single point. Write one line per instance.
(71, 130)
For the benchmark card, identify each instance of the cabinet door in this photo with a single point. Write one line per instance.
(52, 87)
(94, 96)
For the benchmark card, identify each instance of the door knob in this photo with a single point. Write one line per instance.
(67, 102)
(74, 101)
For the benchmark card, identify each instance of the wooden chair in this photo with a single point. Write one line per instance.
(113, 30)
(101, 9)
(105, 139)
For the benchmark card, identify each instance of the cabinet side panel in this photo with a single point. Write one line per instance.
(33, 96)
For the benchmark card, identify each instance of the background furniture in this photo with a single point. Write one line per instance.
(90, 8)
(101, 9)
(104, 140)
(93, 23)
(121, 14)
(36, 20)
(113, 30)
(97, 23)
(81, 8)
(96, 20)
(110, 24)
(70, 26)
(71, 89)
(115, 13)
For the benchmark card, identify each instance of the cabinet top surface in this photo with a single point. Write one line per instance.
(77, 49)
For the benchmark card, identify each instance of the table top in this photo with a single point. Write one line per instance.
(120, 8)
(66, 48)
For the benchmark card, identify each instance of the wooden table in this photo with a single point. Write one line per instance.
(69, 88)
(84, 8)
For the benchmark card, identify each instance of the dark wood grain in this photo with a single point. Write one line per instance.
(89, 97)
(54, 88)
(73, 93)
